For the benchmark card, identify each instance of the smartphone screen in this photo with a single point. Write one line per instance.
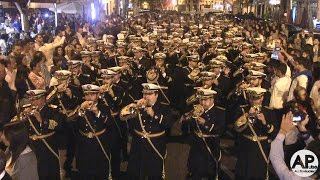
(274, 56)
(296, 118)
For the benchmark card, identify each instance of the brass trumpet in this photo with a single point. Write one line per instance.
(194, 74)
(105, 88)
(85, 106)
(239, 90)
(33, 109)
(128, 112)
(131, 110)
(253, 116)
(195, 113)
(193, 98)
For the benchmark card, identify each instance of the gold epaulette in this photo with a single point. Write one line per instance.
(53, 106)
(15, 118)
(52, 93)
(221, 108)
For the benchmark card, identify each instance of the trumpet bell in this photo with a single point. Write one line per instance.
(195, 74)
(192, 99)
(128, 112)
(198, 110)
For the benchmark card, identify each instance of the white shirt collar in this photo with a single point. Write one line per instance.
(26, 150)
(2, 174)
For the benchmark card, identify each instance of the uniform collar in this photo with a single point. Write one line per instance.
(209, 108)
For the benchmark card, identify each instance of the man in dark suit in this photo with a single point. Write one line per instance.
(7, 99)
(3, 175)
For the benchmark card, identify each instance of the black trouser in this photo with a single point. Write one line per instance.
(49, 178)
(115, 163)
(87, 176)
(199, 177)
(145, 178)
(71, 147)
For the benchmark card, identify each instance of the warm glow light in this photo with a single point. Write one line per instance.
(274, 2)
(218, 6)
(93, 12)
(174, 2)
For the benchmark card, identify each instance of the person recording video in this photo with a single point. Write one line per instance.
(289, 122)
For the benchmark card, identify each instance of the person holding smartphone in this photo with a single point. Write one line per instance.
(277, 151)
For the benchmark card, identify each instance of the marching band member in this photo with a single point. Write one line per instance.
(64, 97)
(256, 127)
(161, 75)
(44, 122)
(206, 126)
(87, 69)
(115, 97)
(94, 137)
(148, 149)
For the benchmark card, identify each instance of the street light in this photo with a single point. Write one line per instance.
(274, 2)
(93, 12)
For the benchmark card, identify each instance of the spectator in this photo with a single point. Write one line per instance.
(315, 91)
(35, 75)
(316, 52)
(38, 41)
(297, 41)
(281, 87)
(3, 174)
(277, 152)
(11, 70)
(29, 51)
(304, 103)
(77, 51)
(7, 99)
(60, 53)
(69, 52)
(302, 78)
(60, 32)
(44, 68)
(3, 45)
(16, 49)
(48, 49)
(23, 83)
(22, 164)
